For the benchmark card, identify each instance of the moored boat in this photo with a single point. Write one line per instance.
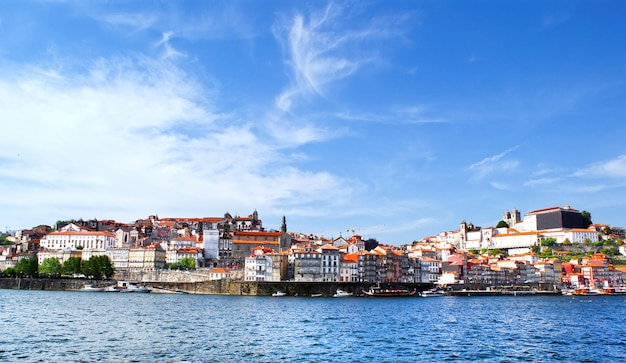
(432, 293)
(279, 294)
(342, 293)
(91, 288)
(135, 288)
(377, 291)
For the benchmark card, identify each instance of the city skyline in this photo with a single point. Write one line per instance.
(396, 120)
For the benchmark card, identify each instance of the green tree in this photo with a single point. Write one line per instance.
(187, 263)
(587, 242)
(567, 242)
(26, 267)
(502, 224)
(89, 269)
(106, 266)
(71, 266)
(50, 267)
(546, 253)
(586, 218)
(548, 242)
(495, 251)
(9, 272)
(97, 267)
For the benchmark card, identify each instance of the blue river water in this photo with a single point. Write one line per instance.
(57, 326)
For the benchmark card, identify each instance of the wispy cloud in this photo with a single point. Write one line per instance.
(320, 52)
(167, 46)
(615, 168)
(493, 163)
(499, 185)
(400, 115)
(136, 21)
(541, 182)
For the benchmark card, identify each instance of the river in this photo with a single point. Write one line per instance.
(61, 326)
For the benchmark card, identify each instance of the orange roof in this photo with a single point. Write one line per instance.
(219, 270)
(351, 257)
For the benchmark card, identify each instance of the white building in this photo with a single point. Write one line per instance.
(86, 239)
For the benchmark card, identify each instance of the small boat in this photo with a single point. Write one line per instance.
(135, 288)
(377, 291)
(162, 290)
(432, 293)
(91, 288)
(278, 294)
(317, 295)
(111, 288)
(342, 293)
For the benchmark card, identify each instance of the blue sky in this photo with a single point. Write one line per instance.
(396, 119)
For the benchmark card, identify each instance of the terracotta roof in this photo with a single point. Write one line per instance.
(219, 270)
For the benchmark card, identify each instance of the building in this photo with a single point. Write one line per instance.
(552, 218)
(72, 236)
(151, 257)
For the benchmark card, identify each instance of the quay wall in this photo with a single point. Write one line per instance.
(208, 287)
(62, 284)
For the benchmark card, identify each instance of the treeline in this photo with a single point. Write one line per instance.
(96, 267)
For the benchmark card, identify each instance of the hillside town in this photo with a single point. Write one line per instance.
(556, 246)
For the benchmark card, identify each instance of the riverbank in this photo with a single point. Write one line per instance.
(211, 287)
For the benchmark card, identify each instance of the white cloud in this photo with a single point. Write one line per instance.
(541, 182)
(131, 137)
(138, 21)
(615, 168)
(167, 46)
(320, 53)
(492, 164)
(499, 185)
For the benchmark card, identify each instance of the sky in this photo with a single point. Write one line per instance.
(394, 120)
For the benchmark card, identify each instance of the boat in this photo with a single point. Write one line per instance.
(278, 294)
(135, 288)
(377, 291)
(91, 288)
(317, 295)
(342, 293)
(432, 293)
(162, 290)
(111, 288)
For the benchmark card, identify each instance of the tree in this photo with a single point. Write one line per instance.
(586, 218)
(546, 253)
(50, 267)
(502, 224)
(88, 268)
(9, 272)
(549, 241)
(187, 263)
(97, 267)
(587, 242)
(567, 242)
(26, 267)
(106, 267)
(71, 266)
